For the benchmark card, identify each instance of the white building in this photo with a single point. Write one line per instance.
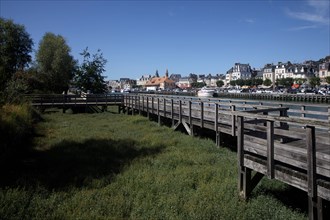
(324, 70)
(238, 71)
(143, 80)
(280, 71)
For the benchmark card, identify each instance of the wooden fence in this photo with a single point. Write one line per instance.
(291, 145)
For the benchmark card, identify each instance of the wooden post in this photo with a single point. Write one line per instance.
(233, 121)
(216, 125)
(148, 115)
(240, 157)
(311, 173)
(129, 104)
(158, 113)
(152, 105)
(283, 125)
(172, 112)
(164, 100)
(133, 104)
(180, 111)
(139, 104)
(143, 103)
(190, 120)
(270, 149)
(202, 114)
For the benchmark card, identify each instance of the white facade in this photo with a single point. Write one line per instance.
(280, 71)
(241, 71)
(238, 71)
(324, 70)
(143, 80)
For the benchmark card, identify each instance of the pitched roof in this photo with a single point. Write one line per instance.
(156, 81)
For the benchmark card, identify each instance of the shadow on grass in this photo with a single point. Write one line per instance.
(72, 164)
(294, 198)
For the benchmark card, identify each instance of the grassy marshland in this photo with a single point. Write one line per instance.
(111, 166)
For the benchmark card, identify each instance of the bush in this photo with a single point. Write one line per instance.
(16, 127)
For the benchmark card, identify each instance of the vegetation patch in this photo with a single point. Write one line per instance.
(113, 166)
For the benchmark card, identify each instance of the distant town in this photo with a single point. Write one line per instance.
(309, 74)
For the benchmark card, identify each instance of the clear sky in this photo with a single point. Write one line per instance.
(202, 37)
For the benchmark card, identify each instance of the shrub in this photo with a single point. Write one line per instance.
(16, 127)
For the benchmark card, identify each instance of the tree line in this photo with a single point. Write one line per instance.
(53, 69)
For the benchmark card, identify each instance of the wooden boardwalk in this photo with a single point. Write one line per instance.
(293, 149)
(75, 101)
(288, 142)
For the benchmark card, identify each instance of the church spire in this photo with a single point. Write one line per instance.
(166, 73)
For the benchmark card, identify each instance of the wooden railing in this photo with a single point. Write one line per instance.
(290, 142)
(69, 100)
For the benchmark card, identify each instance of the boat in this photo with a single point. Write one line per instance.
(206, 92)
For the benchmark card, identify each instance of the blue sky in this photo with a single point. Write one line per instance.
(202, 37)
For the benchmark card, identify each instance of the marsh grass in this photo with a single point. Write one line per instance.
(114, 166)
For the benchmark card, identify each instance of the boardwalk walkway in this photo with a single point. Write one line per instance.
(75, 102)
(288, 142)
(289, 145)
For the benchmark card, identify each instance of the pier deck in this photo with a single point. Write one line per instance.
(288, 142)
(291, 149)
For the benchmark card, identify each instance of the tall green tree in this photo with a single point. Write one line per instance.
(267, 82)
(56, 65)
(232, 82)
(240, 82)
(89, 74)
(15, 48)
(286, 82)
(314, 81)
(220, 83)
(327, 79)
(300, 81)
(198, 84)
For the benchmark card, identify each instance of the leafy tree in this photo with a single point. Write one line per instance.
(267, 82)
(300, 80)
(89, 74)
(232, 82)
(248, 82)
(56, 65)
(16, 87)
(286, 82)
(240, 82)
(15, 48)
(220, 83)
(198, 84)
(314, 81)
(257, 82)
(327, 79)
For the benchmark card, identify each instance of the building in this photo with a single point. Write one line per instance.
(211, 81)
(126, 83)
(268, 72)
(114, 85)
(175, 77)
(281, 70)
(238, 71)
(324, 71)
(160, 83)
(184, 83)
(143, 80)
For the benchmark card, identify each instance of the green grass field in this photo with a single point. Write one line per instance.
(114, 166)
